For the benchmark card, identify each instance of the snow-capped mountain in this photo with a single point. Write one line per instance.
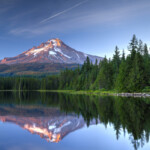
(52, 129)
(49, 123)
(52, 51)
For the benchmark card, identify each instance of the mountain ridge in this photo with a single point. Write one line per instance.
(52, 51)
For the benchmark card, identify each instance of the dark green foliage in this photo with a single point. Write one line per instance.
(116, 64)
(134, 71)
(104, 78)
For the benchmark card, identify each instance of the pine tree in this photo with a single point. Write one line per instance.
(140, 47)
(104, 78)
(123, 56)
(115, 64)
(146, 65)
(120, 83)
(136, 75)
(133, 47)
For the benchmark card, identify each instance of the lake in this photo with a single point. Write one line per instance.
(43, 121)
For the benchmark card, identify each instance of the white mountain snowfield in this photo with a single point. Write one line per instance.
(52, 51)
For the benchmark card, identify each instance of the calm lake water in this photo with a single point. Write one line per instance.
(44, 121)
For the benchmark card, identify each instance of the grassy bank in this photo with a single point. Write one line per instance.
(101, 93)
(89, 92)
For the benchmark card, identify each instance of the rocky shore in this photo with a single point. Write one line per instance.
(133, 94)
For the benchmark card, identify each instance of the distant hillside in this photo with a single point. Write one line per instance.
(34, 68)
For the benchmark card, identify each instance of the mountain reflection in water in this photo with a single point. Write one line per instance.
(52, 127)
(53, 116)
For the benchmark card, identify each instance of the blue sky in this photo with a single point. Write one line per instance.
(91, 26)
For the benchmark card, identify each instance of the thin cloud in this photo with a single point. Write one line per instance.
(6, 5)
(62, 12)
(72, 21)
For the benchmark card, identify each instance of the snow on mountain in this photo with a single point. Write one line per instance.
(52, 125)
(52, 51)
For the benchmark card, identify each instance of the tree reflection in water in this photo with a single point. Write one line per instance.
(128, 114)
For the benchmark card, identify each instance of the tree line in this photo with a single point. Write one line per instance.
(122, 73)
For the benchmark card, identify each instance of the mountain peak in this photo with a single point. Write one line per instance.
(55, 42)
(50, 44)
(52, 51)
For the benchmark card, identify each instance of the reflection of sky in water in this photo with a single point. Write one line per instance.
(95, 137)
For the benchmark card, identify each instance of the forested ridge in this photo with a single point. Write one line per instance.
(123, 73)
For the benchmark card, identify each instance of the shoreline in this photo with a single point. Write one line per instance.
(98, 92)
